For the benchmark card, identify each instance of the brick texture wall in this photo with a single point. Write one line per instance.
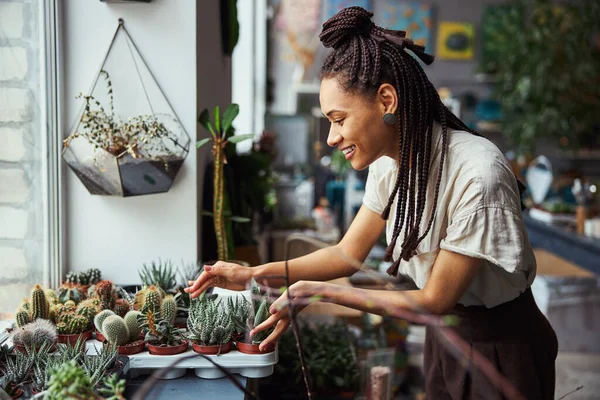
(22, 137)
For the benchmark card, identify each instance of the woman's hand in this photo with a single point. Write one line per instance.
(221, 274)
(303, 293)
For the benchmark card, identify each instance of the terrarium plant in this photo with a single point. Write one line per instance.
(35, 334)
(222, 132)
(122, 332)
(161, 274)
(210, 327)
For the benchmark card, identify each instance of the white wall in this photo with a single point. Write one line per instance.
(117, 235)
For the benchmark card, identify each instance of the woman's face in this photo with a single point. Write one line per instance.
(357, 127)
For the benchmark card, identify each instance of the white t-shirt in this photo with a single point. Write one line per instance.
(478, 215)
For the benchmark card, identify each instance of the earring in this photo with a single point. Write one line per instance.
(390, 119)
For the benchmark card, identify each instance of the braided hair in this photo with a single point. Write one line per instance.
(364, 57)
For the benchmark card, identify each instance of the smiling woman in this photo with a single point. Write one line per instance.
(28, 133)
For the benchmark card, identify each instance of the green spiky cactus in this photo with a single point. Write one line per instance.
(168, 309)
(100, 317)
(38, 304)
(70, 291)
(239, 309)
(78, 324)
(161, 274)
(51, 296)
(131, 320)
(22, 318)
(70, 303)
(115, 330)
(122, 306)
(87, 310)
(138, 299)
(24, 305)
(152, 299)
(208, 324)
(104, 291)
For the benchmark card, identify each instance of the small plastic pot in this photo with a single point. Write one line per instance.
(132, 348)
(72, 339)
(225, 348)
(249, 348)
(168, 350)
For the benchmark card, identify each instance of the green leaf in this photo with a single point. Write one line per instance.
(241, 138)
(229, 115)
(207, 213)
(202, 142)
(239, 219)
(204, 120)
(217, 119)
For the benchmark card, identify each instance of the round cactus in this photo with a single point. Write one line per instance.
(22, 337)
(62, 328)
(138, 299)
(168, 310)
(70, 291)
(94, 275)
(70, 303)
(88, 311)
(115, 330)
(42, 331)
(131, 320)
(100, 317)
(78, 324)
(39, 306)
(152, 299)
(51, 296)
(121, 307)
(104, 291)
(22, 318)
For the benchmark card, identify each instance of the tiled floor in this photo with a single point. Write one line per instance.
(578, 369)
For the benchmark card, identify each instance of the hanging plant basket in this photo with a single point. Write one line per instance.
(127, 140)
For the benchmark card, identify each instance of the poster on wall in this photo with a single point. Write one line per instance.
(414, 17)
(455, 41)
(333, 6)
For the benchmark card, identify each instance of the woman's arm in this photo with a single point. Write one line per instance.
(327, 264)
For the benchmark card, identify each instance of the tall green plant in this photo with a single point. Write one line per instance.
(222, 132)
(547, 60)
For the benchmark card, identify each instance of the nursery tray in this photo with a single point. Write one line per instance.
(247, 365)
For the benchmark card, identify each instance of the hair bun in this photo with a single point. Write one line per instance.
(346, 24)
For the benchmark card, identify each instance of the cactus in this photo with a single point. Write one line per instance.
(35, 333)
(24, 305)
(77, 324)
(38, 303)
(89, 277)
(239, 311)
(138, 299)
(94, 275)
(168, 309)
(131, 320)
(51, 296)
(100, 317)
(115, 330)
(88, 309)
(152, 299)
(70, 291)
(208, 324)
(122, 306)
(22, 318)
(104, 291)
(70, 303)
(160, 274)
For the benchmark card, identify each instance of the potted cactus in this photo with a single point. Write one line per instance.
(259, 313)
(71, 291)
(73, 323)
(84, 278)
(121, 332)
(210, 327)
(239, 309)
(36, 307)
(34, 334)
(157, 320)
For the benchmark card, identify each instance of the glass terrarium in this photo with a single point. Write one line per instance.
(126, 139)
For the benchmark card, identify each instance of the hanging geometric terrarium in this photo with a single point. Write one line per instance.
(127, 139)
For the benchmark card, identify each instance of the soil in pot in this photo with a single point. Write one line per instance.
(168, 350)
(72, 339)
(224, 348)
(132, 348)
(249, 348)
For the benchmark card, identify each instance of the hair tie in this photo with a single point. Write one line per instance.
(399, 38)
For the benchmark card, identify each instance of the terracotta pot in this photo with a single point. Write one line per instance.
(99, 336)
(72, 339)
(225, 348)
(237, 337)
(249, 348)
(142, 336)
(168, 351)
(132, 348)
(16, 392)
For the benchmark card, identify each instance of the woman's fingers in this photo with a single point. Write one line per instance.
(269, 322)
(279, 330)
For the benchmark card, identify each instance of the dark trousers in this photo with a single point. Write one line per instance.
(515, 336)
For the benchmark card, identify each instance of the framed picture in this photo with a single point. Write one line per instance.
(455, 41)
(414, 17)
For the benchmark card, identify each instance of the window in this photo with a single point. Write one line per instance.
(29, 151)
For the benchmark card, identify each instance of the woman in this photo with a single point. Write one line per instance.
(450, 206)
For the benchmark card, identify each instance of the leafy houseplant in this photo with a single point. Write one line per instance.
(210, 327)
(547, 64)
(222, 132)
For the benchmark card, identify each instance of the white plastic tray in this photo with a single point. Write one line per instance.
(247, 365)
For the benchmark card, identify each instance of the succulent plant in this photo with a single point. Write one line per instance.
(69, 381)
(51, 296)
(152, 299)
(100, 317)
(73, 324)
(35, 333)
(168, 309)
(39, 306)
(96, 366)
(22, 318)
(133, 326)
(259, 313)
(114, 387)
(104, 291)
(71, 291)
(68, 351)
(17, 368)
(160, 274)
(115, 330)
(89, 308)
(208, 324)
(239, 310)
(24, 305)
(138, 299)
(122, 306)
(89, 277)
